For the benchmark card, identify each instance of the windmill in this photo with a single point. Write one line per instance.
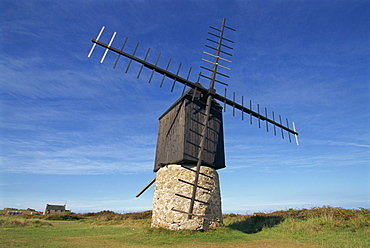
(190, 146)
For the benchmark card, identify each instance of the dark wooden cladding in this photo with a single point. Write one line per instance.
(180, 129)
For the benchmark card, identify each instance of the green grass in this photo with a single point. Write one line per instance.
(24, 211)
(8, 222)
(317, 227)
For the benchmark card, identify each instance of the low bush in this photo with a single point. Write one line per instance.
(18, 222)
(67, 216)
(110, 215)
(314, 219)
(107, 217)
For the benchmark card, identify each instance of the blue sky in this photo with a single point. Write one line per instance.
(77, 131)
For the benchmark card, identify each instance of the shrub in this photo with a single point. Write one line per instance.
(108, 217)
(67, 216)
(303, 220)
(11, 223)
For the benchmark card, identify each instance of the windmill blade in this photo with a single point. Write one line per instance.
(200, 153)
(242, 107)
(141, 68)
(106, 50)
(287, 124)
(97, 38)
(234, 104)
(164, 75)
(177, 73)
(282, 132)
(259, 118)
(123, 46)
(206, 92)
(217, 56)
(129, 63)
(295, 135)
(273, 118)
(151, 66)
(267, 124)
(253, 113)
(211, 92)
(156, 62)
(194, 86)
(183, 90)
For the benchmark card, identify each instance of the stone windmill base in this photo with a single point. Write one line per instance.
(169, 193)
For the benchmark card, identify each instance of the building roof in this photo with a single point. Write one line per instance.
(55, 207)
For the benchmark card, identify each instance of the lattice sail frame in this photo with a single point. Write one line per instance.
(209, 93)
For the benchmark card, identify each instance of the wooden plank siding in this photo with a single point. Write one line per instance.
(179, 134)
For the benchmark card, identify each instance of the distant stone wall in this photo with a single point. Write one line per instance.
(167, 185)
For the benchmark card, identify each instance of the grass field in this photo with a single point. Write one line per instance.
(316, 227)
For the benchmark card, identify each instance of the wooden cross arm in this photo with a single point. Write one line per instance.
(253, 113)
(154, 67)
(196, 86)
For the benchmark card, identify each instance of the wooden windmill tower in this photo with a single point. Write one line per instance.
(190, 144)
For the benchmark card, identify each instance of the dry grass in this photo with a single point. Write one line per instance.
(316, 227)
(9, 222)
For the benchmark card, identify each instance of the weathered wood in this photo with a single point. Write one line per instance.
(179, 133)
(146, 187)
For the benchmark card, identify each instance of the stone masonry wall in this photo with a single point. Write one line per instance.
(167, 185)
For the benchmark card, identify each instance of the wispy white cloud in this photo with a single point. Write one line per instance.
(62, 139)
(117, 205)
(40, 158)
(251, 155)
(336, 143)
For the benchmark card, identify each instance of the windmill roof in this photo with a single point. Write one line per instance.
(187, 94)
